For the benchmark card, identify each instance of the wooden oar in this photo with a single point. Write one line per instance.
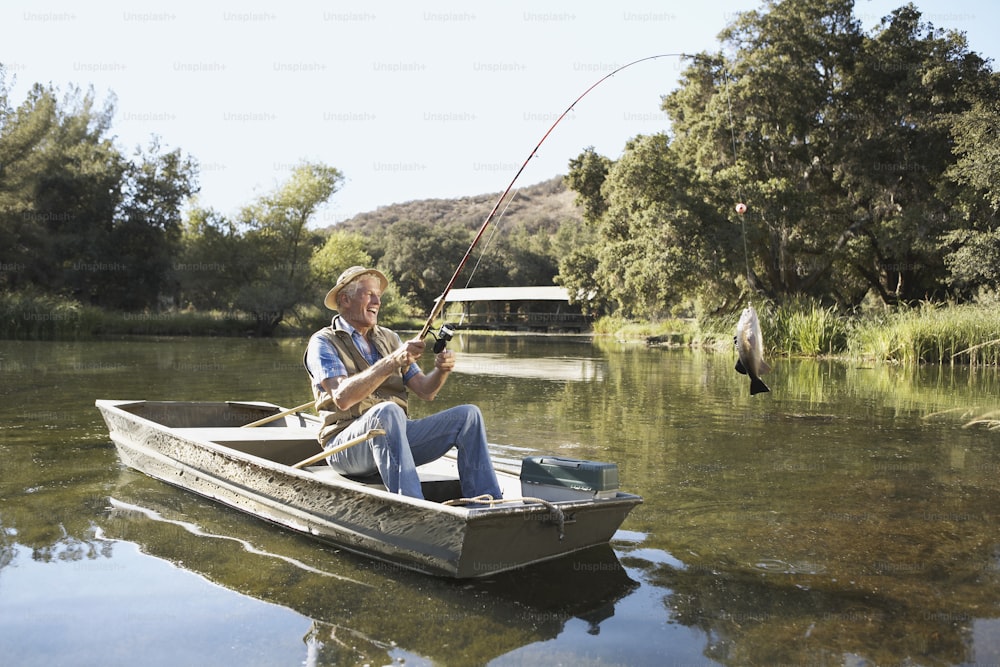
(268, 420)
(339, 448)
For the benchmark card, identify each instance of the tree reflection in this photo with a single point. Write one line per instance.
(846, 518)
(751, 618)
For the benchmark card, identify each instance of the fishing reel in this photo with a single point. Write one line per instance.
(445, 334)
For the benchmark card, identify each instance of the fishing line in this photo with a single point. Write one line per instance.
(440, 302)
(485, 251)
(740, 206)
(489, 241)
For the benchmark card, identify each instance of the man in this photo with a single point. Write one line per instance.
(361, 374)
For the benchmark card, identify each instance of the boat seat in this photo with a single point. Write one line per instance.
(285, 444)
(226, 434)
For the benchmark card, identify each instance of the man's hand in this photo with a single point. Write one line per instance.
(427, 386)
(409, 352)
(444, 361)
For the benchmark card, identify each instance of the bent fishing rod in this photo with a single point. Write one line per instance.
(446, 333)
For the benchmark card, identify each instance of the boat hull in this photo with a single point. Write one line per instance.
(172, 442)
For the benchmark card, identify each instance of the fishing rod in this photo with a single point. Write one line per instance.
(445, 334)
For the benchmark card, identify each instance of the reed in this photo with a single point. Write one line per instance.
(612, 325)
(31, 316)
(803, 328)
(947, 334)
(931, 333)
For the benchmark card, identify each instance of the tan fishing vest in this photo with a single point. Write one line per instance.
(336, 420)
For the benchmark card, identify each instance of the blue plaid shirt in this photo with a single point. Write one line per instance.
(324, 361)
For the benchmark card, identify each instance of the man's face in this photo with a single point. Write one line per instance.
(360, 308)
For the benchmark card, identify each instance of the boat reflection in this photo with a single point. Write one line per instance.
(366, 611)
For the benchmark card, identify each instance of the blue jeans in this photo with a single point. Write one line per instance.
(408, 443)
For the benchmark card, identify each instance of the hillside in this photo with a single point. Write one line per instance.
(539, 207)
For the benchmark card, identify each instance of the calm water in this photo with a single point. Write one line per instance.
(846, 518)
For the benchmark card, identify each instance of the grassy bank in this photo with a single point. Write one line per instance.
(930, 333)
(26, 316)
(44, 317)
(941, 334)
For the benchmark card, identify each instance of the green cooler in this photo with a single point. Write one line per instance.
(554, 478)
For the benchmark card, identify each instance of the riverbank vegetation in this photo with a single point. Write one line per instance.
(938, 333)
(870, 225)
(926, 333)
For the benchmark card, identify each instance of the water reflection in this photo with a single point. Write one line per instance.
(845, 518)
(376, 605)
(562, 369)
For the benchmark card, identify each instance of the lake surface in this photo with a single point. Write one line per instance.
(846, 518)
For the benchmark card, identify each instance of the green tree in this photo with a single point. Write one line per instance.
(23, 130)
(974, 252)
(578, 271)
(515, 255)
(977, 146)
(60, 177)
(143, 243)
(76, 217)
(659, 245)
(974, 261)
(423, 257)
(278, 237)
(573, 250)
(587, 173)
(839, 142)
(765, 135)
(213, 262)
(340, 251)
(908, 84)
(343, 250)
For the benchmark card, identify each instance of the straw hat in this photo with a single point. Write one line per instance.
(346, 278)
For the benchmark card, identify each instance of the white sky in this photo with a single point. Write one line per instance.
(409, 100)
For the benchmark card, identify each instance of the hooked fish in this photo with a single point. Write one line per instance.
(750, 348)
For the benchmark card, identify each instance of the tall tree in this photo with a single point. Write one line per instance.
(213, 262)
(974, 257)
(892, 163)
(59, 185)
(143, 243)
(422, 257)
(837, 141)
(659, 244)
(277, 233)
(78, 218)
(23, 130)
(773, 109)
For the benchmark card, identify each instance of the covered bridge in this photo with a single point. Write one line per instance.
(543, 308)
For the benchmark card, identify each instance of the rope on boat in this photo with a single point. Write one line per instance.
(487, 499)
